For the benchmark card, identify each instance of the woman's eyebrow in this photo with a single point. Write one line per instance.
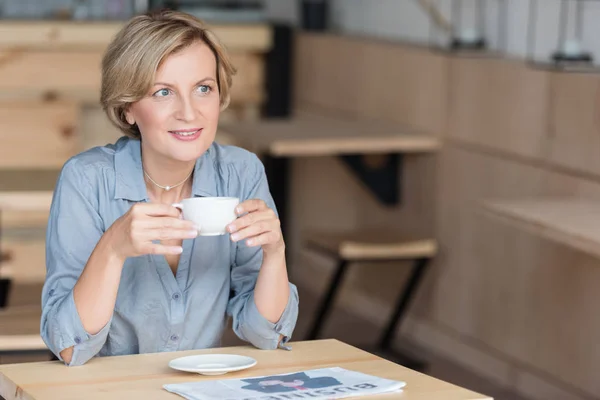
(208, 78)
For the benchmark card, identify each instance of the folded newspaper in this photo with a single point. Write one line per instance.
(326, 383)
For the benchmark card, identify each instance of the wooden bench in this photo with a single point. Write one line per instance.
(372, 247)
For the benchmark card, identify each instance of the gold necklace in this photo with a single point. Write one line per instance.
(168, 187)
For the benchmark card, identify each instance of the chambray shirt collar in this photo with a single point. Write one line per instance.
(130, 184)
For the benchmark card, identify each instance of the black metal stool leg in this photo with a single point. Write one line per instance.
(384, 348)
(403, 302)
(325, 305)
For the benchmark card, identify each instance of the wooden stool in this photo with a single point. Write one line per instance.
(20, 331)
(372, 247)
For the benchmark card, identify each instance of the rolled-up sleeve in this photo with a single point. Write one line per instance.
(248, 323)
(74, 229)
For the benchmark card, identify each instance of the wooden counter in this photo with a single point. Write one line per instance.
(571, 222)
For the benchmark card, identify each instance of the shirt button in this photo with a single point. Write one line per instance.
(77, 339)
(51, 292)
(174, 338)
(176, 296)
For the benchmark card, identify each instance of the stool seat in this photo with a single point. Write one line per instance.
(357, 246)
(20, 330)
(348, 248)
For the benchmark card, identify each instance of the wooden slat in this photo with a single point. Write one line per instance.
(97, 35)
(255, 38)
(27, 260)
(36, 75)
(20, 329)
(25, 201)
(24, 219)
(76, 76)
(22, 343)
(38, 135)
(571, 222)
(248, 83)
(24, 210)
(372, 245)
(312, 135)
(22, 320)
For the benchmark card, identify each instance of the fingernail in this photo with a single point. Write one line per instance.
(193, 233)
(230, 228)
(235, 237)
(178, 250)
(250, 242)
(238, 210)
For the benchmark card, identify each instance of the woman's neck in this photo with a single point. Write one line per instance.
(177, 175)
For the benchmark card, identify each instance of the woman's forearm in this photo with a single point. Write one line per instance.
(272, 287)
(95, 292)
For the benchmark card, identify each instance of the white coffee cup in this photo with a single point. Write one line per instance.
(210, 214)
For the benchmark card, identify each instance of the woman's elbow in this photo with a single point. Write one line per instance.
(67, 355)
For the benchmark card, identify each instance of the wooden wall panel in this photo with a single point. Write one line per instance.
(526, 298)
(85, 36)
(380, 80)
(500, 104)
(575, 121)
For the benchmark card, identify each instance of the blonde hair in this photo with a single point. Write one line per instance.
(137, 51)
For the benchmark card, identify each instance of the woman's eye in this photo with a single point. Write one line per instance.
(161, 93)
(204, 89)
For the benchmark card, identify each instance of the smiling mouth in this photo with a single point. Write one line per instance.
(185, 132)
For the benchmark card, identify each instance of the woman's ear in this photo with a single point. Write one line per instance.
(129, 116)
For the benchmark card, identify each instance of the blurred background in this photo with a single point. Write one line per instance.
(436, 164)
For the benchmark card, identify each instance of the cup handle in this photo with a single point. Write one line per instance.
(180, 207)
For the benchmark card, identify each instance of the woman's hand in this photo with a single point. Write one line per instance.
(133, 233)
(260, 226)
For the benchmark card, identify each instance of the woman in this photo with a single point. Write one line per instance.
(125, 274)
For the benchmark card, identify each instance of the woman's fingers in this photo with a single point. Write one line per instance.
(164, 223)
(257, 229)
(264, 239)
(162, 249)
(253, 218)
(155, 210)
(169, 234)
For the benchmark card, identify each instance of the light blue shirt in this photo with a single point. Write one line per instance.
(155, 310)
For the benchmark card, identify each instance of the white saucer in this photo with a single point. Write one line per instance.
(212, 364)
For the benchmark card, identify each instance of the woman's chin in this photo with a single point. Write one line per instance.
(189, 152)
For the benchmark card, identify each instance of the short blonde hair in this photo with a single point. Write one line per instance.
(137, 51)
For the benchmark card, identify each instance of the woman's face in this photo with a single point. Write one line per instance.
(178, 118)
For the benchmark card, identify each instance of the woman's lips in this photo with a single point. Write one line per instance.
(186, 135)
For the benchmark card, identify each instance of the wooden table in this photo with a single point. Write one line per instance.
(142, 376)
(570, 222)
(313, 135)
